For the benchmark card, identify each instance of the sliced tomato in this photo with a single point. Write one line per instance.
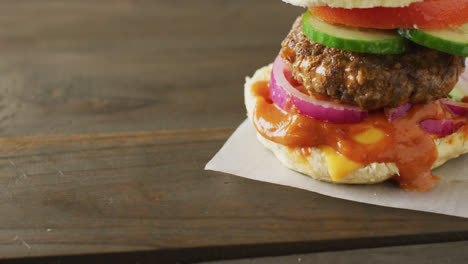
(429, 14)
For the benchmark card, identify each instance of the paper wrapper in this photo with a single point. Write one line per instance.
(244, 156)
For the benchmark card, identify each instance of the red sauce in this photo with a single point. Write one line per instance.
(404, 144)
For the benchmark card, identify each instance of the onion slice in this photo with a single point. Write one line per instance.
(441, 127)
(395, 113)
(456, 107)
(284, 95)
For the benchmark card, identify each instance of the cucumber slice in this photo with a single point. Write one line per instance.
(352, 38)
(453, 40)
(457, 94)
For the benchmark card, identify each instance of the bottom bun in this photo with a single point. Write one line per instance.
(314, 163)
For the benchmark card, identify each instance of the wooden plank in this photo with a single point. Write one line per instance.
(454, 252)
(122, 65)
(110, 68)
(148, 191)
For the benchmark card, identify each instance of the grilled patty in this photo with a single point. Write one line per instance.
(371, 81)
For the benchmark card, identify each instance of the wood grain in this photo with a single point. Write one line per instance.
(109, 111)
(147, 191)
(422, 254)
(123, 65)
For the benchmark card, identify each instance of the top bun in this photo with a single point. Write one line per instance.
(352, 3)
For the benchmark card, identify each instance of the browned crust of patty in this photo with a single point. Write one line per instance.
(371, 81)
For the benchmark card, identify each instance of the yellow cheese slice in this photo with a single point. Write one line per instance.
(338, 165)
(370, 136)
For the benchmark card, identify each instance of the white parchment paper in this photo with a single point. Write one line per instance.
(244, 156)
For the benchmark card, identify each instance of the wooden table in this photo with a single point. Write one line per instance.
(109, 111)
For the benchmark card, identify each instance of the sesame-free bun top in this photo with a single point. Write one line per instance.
(352, 3)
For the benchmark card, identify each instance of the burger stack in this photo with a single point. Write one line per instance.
(366, 91)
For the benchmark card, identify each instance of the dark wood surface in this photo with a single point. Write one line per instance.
(454, 252)
(109, 111)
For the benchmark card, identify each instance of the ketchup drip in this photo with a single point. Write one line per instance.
(404, 143)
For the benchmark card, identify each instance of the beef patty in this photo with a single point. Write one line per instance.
(371, 81)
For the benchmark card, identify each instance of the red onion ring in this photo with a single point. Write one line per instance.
(456, 107)
(441, 127)
(284, 94)
(395, 113)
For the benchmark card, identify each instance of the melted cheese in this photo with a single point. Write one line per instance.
(311, 160)
(338, 165)
(370, 136)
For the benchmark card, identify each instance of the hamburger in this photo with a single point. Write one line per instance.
(365, 91)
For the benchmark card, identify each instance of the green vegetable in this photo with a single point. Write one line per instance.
(353, 38)
(457, 94)
(453, 40)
